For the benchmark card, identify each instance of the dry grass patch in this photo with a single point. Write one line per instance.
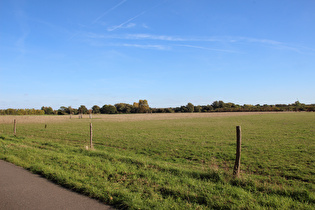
(5, 119)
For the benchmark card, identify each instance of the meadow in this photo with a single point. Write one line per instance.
(172, 161)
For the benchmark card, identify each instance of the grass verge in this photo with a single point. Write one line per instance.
(175, 164)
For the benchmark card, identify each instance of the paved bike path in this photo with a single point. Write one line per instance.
(20, 189)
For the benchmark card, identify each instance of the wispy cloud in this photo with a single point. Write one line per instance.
(277, 45)
(220, 44)
(113, 28)
(108, 11)
(206, 48)
(154, 37)
(173, 38)
(263, 41)
(134, 36)
(145, 26)
(151, 37)
(129, 25)
(156, 47)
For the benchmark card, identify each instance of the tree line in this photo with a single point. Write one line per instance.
(120, 108)
(220, 106)
(143, 107)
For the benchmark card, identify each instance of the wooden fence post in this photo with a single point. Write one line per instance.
(237, 165)
(91, 136)
(14, 129)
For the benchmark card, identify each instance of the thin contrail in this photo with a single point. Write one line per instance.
(114, 7)
(205, 48)
(119, 26)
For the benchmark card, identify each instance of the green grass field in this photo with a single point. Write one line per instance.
(174, 163)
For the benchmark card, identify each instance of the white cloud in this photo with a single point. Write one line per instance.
(130, 25)
(206, 48)
(154, 37)
(277, 44)
(222, 44)
(156, 47)
(145, 26)
(113, 28)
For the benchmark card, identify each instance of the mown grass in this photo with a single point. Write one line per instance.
(175, 164)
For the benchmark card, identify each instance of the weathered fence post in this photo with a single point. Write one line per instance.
(91, 136)
(14, 129)
(237, 165)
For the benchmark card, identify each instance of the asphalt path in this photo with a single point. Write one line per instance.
(20, 189)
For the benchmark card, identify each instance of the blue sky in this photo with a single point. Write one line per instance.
(170, 52)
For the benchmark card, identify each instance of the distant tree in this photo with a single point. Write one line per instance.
(69, 110)
(217, 104)
(297, 103)
(135, 107)
(96, 109)
(310, 108)
(183, 109)
(120, 107)
(228, 105)
(47, 110)
(143, 106)
(82, 109)
(169, 110)
(62, 110)
(299, 106)
(11, 111)
(207, 108)
(197, 109)
(128, 108)
(158, 110)
(123, 108)
(108, 109)
(22, 112)
(190, 107)
(75, 111)
(177, 109)
(248, 107)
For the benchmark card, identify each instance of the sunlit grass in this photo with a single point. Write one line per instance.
(175, 163)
